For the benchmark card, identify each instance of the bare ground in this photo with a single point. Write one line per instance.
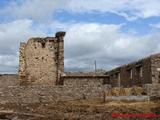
(78, 110)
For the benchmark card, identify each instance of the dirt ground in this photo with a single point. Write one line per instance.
(79, 110)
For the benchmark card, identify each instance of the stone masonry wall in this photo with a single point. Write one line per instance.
(152, 90)
(40, 94)
(60, 55)
(75, 87)
(22, 63)
(137, 73)
(155, 68)
(84, 81)
(41, 60)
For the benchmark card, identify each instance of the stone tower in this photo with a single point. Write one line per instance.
(41, 60)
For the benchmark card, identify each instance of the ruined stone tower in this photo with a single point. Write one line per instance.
(41, 60)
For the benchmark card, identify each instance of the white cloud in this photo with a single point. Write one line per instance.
(32, 9)
(84, 43)
(14, 32)
(11, 34)
(44, 9)
(130, 9)
(87, 42)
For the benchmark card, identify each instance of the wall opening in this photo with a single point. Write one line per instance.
(130, 73)
(118, 77)
(158, 69)
(107, 80)
(158, 76)
(43, 44)
(139, 71)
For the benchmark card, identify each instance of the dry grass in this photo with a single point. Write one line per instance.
(145, 107)
(116, 91)
(85, 109)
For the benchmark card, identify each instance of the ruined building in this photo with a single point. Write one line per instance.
(41, 60)
(144, 71)
(42, 78)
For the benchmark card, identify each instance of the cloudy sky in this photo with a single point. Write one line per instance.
(112, 32)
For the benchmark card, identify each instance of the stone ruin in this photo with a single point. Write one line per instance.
(41, 60)
(42, 78)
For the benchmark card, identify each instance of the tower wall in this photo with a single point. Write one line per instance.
(41, 60)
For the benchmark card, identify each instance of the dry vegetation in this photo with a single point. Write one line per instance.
(77, 110)
(116, 91)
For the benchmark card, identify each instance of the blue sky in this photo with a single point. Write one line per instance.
(141, 26)
(111, 32)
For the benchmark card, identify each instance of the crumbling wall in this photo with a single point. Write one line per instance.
(41, 60)
(84, 81)
(155, 68)
(137, 73)
(22, 63)
(99, 72)
(60, 56)
(152, 90)
(40, 94)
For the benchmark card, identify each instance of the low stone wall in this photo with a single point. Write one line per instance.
(75, 87)
(127, 98)
(36, 94)
(84, 81)
(9, 80)
(153, 90)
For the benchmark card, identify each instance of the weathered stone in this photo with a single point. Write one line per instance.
(41, 71)
(144, 71)
(84, 81)
(41, 60)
